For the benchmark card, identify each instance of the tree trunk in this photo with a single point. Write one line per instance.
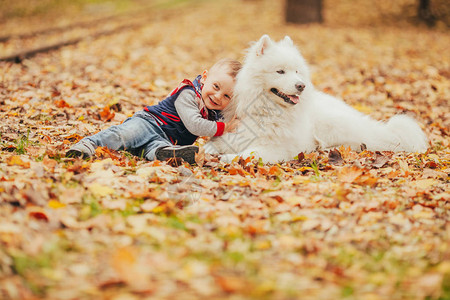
(303, 11)
(424, 12)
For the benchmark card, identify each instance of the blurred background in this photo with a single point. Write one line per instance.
(334, 12)
(381, 57)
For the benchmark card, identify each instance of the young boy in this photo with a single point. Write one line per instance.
(169, 128)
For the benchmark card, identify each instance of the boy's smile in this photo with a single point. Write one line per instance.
(217, 88)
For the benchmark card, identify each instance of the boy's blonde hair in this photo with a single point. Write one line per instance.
(233, 66)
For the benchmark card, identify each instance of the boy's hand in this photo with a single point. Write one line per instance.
(231, 125)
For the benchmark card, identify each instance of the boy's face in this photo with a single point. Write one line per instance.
(217, 88)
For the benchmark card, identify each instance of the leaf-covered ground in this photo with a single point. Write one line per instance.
(336, 224)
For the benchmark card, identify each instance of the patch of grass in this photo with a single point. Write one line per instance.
(90, 209)
(39, 158)
(22, 143)
(445, 287)
(132, 208)
(176, 223)
(235, 256)
(23, 263)
(437, 146)
(95, 208)
(172, 3)
(36, 270)
(315, 166)
(347, 291)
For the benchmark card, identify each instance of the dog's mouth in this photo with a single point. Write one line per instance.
(292, 99)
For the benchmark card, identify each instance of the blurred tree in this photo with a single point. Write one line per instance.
(303, 11)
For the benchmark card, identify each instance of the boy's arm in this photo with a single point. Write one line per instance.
(187, 108)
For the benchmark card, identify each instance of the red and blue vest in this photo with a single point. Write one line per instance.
(168, 118)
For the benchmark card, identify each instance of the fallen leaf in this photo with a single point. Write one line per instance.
(56, 204)
(349, 174)
(335, 158)
(101, 190)
(424, 183)
(231, 284)
(38, 215)
(107, 114)
(380, 160)
(16, 160)
(62, 104)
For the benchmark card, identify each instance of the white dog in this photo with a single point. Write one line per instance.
(282, 113)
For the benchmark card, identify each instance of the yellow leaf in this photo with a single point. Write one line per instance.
(100, 190)
(158, 209)
(263, 245)
(300, 179)
(303, 169)
(17, 160)
(362, 108)
(299, 218)
(55, 204)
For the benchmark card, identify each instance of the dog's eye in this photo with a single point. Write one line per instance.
(280, 71)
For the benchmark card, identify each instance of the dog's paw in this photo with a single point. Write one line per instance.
(227, 158)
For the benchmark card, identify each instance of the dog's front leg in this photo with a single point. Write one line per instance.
(267, 155)
(228, 158)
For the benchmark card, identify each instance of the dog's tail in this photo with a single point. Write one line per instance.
(410, 136)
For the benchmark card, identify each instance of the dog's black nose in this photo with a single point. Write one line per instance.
(300, 86)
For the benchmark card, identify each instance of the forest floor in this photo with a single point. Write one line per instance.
(326, 225)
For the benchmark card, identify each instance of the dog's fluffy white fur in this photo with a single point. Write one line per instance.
(282, 114)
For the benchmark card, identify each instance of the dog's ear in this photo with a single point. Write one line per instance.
(263, 44)
(288, 41)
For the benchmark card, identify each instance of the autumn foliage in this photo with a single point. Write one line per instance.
(331, 224)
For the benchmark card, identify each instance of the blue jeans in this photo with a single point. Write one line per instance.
(139, 135)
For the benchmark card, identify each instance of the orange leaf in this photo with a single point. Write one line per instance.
(74, 138)
(349, 174)
(106, 114)
(274, 170)
(263, 170)
(104, 152)
(366, 179)
(391, 204)
(49, 163)
(62, 104)
(393, 174)
(248, 159)
(214, 173)
(231, 284)
(236, 169)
